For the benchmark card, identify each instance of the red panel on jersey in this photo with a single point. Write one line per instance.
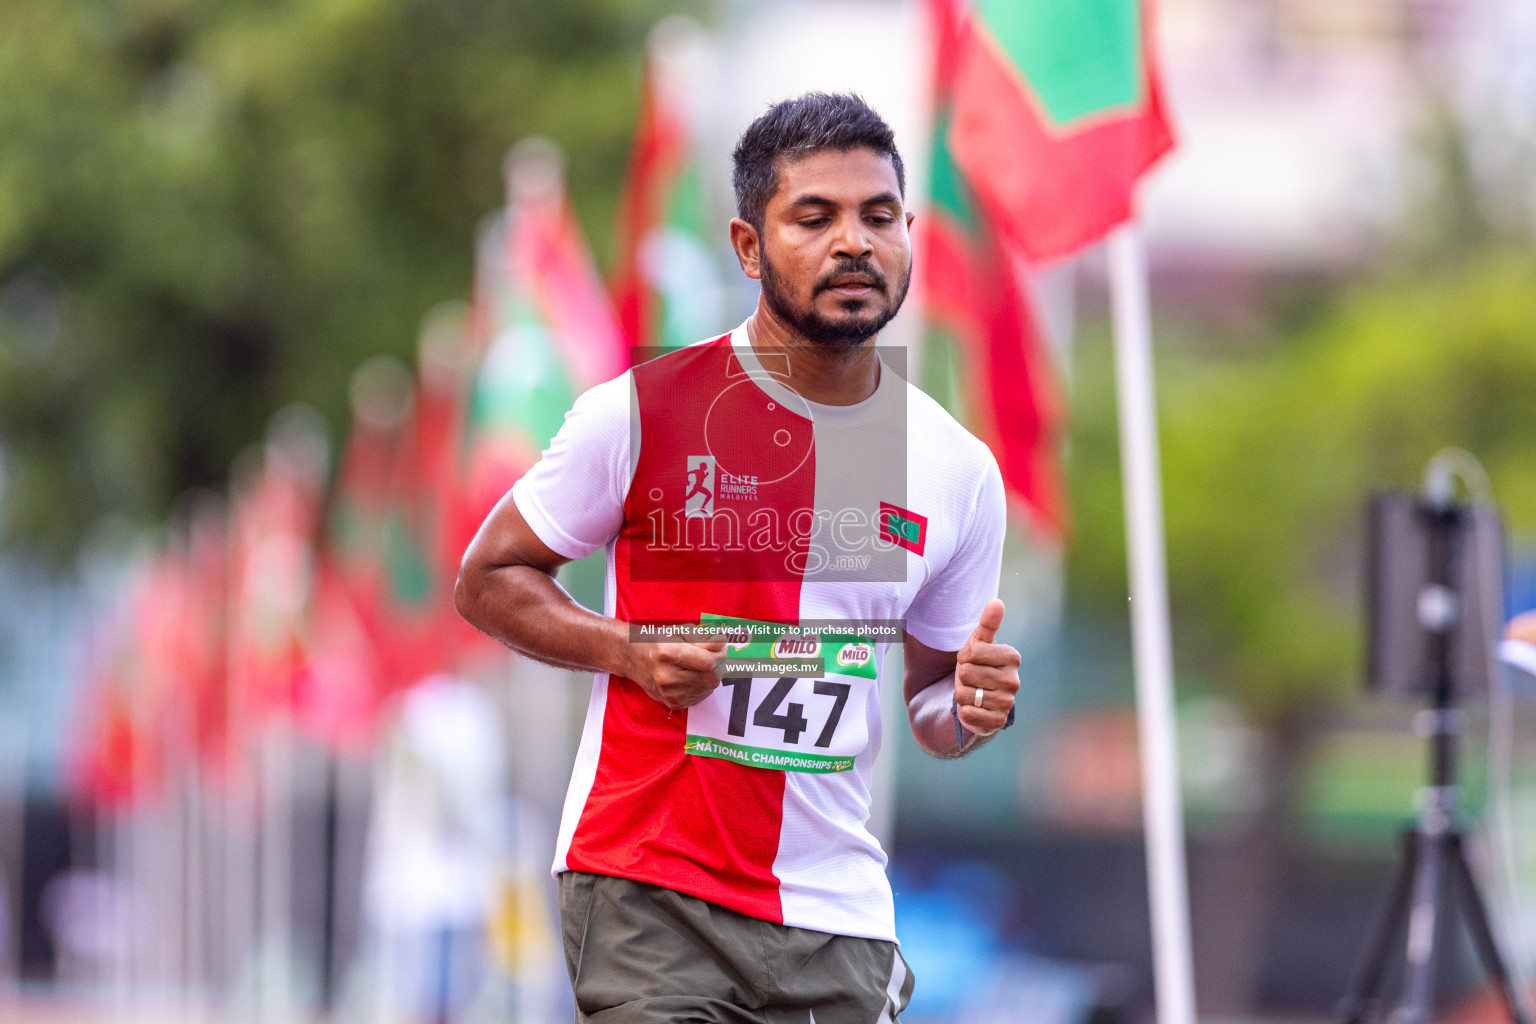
(699, 825)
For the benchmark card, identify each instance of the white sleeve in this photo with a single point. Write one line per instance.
(573, 498)
(947, 608)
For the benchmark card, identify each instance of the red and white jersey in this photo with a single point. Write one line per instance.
(719, 492)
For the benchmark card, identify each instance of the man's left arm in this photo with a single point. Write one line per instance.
(976, 684)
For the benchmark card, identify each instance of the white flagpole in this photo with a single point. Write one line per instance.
(1161, 806)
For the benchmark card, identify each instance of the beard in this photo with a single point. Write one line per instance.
(858, 324)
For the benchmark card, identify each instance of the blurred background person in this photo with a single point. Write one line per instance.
(438, 847)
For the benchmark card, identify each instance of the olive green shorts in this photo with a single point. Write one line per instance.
(639, 954)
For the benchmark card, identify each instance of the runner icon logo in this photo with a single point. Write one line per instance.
(699, 495)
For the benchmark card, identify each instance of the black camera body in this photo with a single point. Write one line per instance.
(1434, 576)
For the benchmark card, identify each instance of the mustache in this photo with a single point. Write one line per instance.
(860, 265)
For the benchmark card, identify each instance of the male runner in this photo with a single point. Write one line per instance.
(713, 860)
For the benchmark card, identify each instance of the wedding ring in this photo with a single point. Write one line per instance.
(980, 693)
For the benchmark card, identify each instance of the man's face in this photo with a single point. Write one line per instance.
(835, 258)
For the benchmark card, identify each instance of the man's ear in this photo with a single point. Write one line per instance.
(748, 246)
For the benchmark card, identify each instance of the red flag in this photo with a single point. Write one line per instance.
(666, 283)
(383, 609)
(204, 629)
(660, 147)
(274, 518)
(342, 682)
(1057, 112)
(984, 352)
(552, 332)
(344, 675)
(111, 761)
(111, 764)
(423, 632)
(134, 704)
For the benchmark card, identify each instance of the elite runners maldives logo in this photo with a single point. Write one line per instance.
(699, 494)
(903, 528)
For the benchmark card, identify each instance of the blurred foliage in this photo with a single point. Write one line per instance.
(211, 208)
(1269, 453)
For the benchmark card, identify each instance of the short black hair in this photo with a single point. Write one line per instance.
(798, 127)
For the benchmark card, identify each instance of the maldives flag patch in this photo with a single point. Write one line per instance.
(902, 528)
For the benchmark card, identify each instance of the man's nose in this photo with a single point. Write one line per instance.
(850, 239)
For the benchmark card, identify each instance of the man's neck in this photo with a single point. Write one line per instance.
(818, 373)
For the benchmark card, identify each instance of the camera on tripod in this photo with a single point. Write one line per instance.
(1435, 602)
(1434, 584)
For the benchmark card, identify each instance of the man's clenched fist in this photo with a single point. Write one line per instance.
(677, 675)
(992, 669)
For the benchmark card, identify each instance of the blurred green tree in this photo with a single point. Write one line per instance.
(210, 209)
(1269, 454)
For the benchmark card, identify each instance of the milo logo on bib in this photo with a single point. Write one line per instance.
(855, 655)
(787, 701)
(795, 646)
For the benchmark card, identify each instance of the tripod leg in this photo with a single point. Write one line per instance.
(1358, 1004)
(1482, 933)
(1423, 925)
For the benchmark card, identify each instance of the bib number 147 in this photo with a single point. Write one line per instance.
(814, 720)
(791, 720)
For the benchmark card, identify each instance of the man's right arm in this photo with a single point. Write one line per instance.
(507, 590)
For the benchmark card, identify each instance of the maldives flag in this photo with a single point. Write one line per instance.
(118, 744)
(112, 762)
(171, 649)
(1056, 114)
(275, 508)
(552, 332)
(343, 680)
(381, 393)
(202, 632)
(984, 356)
(340, 687)
(423, 633)
(382, 614)
(666, 284)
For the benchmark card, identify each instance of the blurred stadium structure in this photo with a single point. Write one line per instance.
(387, 860)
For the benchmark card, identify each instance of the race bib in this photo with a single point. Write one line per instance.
(786, 701)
